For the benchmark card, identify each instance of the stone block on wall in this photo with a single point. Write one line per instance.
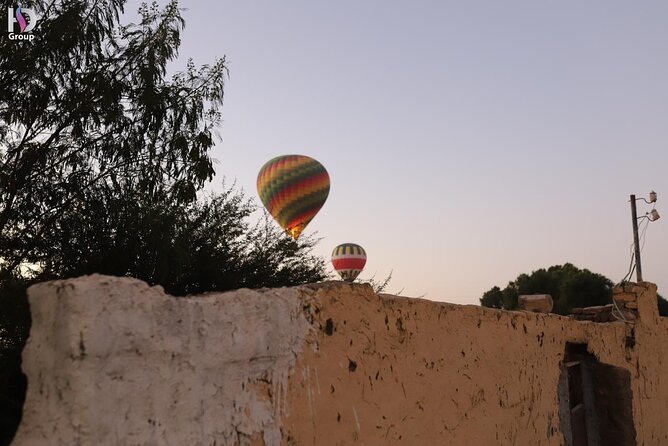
(538, 303)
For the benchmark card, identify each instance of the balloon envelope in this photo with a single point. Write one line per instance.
(348, 260)
(293, 188)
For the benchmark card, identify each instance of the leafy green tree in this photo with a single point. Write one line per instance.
(492, 298)
(663, 306)
(91, 102)
(88, 107)
(206, 245)
(568, 285)
(510, 295)
(584, 289)
(101, 159)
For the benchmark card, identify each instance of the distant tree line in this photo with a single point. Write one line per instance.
(569, 286)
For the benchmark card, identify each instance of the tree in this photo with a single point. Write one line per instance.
(90, 103)
(379, 286)
(492, 298)
(568, 285)
(87, 108)
(663, 305)
(584, 289)
(101, 160)
(206, 245)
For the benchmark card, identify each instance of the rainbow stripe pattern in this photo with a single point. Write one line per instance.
(349, 260)
(293, 188)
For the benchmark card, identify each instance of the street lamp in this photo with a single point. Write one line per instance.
(652, 215)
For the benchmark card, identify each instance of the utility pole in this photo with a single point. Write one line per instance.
(634, 217)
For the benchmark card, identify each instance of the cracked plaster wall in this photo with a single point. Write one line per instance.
(114, 361)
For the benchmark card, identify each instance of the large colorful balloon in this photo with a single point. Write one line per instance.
(348, 260)
(293, 188)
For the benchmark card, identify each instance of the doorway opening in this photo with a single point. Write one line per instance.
(595, 401)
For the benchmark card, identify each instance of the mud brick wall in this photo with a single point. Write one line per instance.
(114, 361)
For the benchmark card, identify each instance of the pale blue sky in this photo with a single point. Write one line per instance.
(467, 142)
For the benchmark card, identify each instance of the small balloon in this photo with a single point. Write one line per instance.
(348, 260)
(293, 188)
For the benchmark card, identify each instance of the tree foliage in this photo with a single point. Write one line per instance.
(102, 156)
(205, 245)
(210, 244)
(663, 306)
(90, 105)
(492, 298)
(568, 285)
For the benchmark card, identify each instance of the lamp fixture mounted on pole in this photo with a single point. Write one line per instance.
(652, 215)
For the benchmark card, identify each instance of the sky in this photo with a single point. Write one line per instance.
(466, 142)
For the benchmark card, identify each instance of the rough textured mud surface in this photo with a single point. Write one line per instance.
(113, 361)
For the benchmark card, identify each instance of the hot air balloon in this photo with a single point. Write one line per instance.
(348, 260)
(293, 188)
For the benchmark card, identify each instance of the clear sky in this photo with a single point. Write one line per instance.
(467, 141)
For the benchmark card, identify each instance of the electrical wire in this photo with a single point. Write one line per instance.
(631, 268)
(633, 264)
(632, 255)
(642, 234)
(620, 316)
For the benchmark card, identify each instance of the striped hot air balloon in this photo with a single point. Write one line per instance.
(293, 188)
(348, 260)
